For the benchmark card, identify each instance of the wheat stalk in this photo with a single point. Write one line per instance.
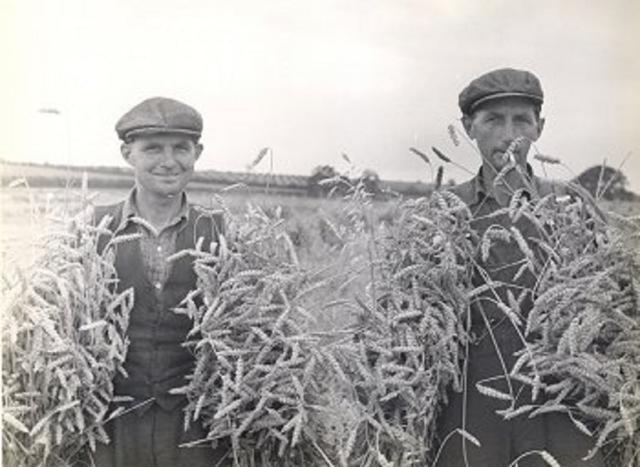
(64, 339)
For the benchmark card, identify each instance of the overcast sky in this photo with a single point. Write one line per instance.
(313, 79)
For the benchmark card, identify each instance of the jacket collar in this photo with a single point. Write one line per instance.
(477, 190)
(130, 211)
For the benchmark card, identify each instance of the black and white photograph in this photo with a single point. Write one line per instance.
(330, 233)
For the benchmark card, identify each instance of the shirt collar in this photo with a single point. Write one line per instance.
(130, 210)
(480, 191)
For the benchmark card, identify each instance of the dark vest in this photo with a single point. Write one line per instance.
(156, 360)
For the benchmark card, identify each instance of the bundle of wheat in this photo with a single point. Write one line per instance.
(63, 337)
(410, 345)
(582, 352)
(257, 376)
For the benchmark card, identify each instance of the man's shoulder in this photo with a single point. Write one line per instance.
(548, 186)
(198, 210)
(214, 218)
(466, 191)
(113, 211)
(103, 215)
(570, 190)
(104, 209)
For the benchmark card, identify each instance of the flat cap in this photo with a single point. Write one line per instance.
(505, 82)
(159, 115)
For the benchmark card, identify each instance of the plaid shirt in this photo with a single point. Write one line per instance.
(155, 246)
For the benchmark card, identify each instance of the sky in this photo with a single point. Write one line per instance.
(316, 79)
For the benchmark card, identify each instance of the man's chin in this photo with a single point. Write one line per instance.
(174, 192)
(497, 161)
(168, 191)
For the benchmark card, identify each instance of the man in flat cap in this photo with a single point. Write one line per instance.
(501, 114)
(161, 141)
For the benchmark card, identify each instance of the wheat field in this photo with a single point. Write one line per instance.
(330, 354)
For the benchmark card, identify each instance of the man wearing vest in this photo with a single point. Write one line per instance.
(161, 141)
(501, 113)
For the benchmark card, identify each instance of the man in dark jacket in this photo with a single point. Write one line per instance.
(161, 141)
(501, 113)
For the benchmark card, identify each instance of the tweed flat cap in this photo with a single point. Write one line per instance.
(159, 115)
(505, 82)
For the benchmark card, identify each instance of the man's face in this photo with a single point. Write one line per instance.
(496, 124)
(163, 164)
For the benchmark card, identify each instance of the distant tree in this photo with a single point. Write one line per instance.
(605, 182)
(371, 181)
(319, 185)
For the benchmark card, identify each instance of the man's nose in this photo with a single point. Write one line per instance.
(509, 132)
(168, 157)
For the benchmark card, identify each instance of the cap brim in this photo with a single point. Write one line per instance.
(160, 131)
(502, 95)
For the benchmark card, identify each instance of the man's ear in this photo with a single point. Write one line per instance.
(199, 147)
(467, 122)
(541, 122)
(125, 150)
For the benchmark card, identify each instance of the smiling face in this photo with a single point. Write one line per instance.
(498, 123)
(163, 163)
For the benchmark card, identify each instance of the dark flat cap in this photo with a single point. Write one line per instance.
(505, 82)
(159, 115)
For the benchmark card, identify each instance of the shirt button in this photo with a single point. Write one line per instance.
(158, 285)
(159, 249)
